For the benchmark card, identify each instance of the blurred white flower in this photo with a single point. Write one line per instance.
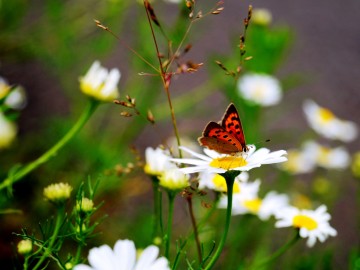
(124, 257)
(4, 87)
(261, 16)
(213, 162)
(312, 224)
(298, 162)
(174, 179)
(174, 1)
(8, 131)
(100, 83)
(16, 99)
(324, 122)
(247, 191)
(330, 158)
(217, 182)
(261, 89)
(157, 161)
(248, 201)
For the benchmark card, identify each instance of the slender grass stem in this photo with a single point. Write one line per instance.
(89, 110)
(280, 251)
(48, 249)
(230, 178)
(171, 195)
(195, 228)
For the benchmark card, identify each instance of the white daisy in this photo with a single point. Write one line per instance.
(326, 157)
(312, 224)
(324, 122)
(124, 257)
(217, 182)
(248, 201)
(213, 162)
(4, 88)
(298, 162)
(261, 89)
(247, 191)
(100, 83)
(157, 161)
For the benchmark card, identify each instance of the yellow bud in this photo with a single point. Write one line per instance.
(58, 193)
(24, 247)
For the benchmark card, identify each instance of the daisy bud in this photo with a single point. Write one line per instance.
(24, 247)
(174, 179)
(85, 205)
(261, 16)
(4, 88)
(57, 193)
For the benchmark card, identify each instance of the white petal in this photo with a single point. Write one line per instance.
(147, 257)
(102, 258)
(83, 267)
(125, 253)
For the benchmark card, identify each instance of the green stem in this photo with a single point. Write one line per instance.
(91, 107)
(78, 253)
(195, 228)
(280, 251)
(171, 195)
(230, 178)
(157, 205)
(48, 249)
(26, 262)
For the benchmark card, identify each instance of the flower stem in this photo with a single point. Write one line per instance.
(230, 178)
(91, 107)
(157, 205)
(280, 251)
(171, 195)
(48, 249)
(195, 227)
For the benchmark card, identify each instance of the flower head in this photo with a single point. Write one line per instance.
(8, 131)
(85, 205)
(261, 89)
(324, 122)
(330, 158)
(217, 182)
(58, 193)
(174, 179)
(16, 99)
(24, 247)
(261, 16)
(312, 224)
(248, 201)
(99, 83)
(298, 162)
(157, 161)
(213, 162)
(123, 256)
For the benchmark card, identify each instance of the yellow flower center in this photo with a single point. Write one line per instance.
(220, 183)
(323, 155)
(253, 205)
(302, 221)
(259, 92)
(228, 162)
(326, 115)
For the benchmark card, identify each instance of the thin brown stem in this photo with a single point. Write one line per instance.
(195, 228)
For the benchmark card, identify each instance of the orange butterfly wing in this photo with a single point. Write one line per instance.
(215, 137)
(226, 137)
(232, 124)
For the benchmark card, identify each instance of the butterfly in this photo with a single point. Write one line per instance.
(227, 136)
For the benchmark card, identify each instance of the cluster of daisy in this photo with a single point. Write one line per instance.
(312, 224)
(313, 154)
(12, 99)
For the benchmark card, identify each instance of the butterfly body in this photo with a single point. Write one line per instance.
(227, 136)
